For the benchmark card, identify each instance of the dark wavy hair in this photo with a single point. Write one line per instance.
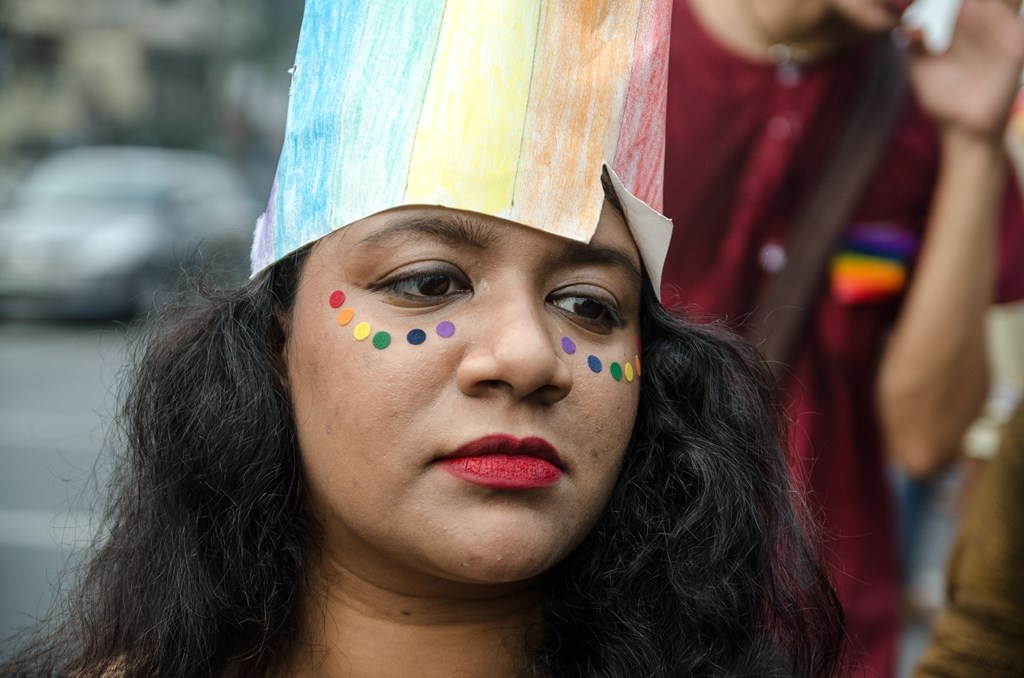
(702, 564)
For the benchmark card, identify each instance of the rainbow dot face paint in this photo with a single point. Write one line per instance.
(445, 330)
(616, 371)
(361, 332)
(627, 370)
(345, 316)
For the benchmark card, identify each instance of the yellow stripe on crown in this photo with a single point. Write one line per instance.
(471, 126)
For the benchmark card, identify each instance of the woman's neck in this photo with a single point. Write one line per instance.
(355, 627)
(767, 30)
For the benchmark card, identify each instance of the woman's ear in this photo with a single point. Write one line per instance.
(281, 331)
(284, 288)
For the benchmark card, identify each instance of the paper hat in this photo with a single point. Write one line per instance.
(510, 108)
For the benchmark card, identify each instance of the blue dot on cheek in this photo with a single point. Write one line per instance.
(594, 363)
(417, 337)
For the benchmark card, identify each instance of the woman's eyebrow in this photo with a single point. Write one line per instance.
(573, 253)
(460, 231)
(450, 228)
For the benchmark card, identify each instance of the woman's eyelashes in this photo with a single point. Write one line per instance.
(440, 283)
(425, 285)
(594, 312)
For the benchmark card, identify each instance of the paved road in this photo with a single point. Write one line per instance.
(57, 395)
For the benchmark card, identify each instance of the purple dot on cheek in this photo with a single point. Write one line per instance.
(568, 345)
(445, 329)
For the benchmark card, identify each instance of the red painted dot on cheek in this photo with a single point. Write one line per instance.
(337, 299)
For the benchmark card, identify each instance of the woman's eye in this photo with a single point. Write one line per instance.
(594, 312)
(433, 284)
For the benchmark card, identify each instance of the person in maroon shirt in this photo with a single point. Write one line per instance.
(892, 365)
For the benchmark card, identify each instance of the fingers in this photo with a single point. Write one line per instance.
(912, 37)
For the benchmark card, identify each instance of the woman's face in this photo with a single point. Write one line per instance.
(464, 389)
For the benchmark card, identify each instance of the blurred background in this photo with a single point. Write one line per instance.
(137, 137)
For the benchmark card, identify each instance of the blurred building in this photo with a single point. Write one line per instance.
(184, 73)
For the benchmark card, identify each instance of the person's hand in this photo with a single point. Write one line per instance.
(970, 87)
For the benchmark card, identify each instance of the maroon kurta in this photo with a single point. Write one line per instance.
(746, 142)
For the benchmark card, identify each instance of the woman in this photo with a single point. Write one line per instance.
(442, 441)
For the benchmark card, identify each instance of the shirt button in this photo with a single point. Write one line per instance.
(773, 257)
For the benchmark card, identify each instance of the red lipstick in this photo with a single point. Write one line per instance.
(504, 462)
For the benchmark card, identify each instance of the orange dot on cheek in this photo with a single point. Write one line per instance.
(345, 317)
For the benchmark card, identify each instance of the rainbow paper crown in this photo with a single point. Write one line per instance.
(510, 108)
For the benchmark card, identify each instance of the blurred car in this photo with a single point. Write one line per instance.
(102, 231)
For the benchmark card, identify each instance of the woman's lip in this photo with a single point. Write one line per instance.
(504, 472)
(505, 463)
(507, 445)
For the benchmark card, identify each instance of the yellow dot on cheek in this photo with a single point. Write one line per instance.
(361, 331)
(629, 371)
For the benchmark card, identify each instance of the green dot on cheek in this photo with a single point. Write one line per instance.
(616, 370)
(381, 340)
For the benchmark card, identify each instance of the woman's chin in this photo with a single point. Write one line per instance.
(495, 542)
(500, 556)
(504, 562)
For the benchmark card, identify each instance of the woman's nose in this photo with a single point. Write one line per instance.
(513, 351)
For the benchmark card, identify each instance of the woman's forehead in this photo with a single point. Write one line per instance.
(469, 231)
